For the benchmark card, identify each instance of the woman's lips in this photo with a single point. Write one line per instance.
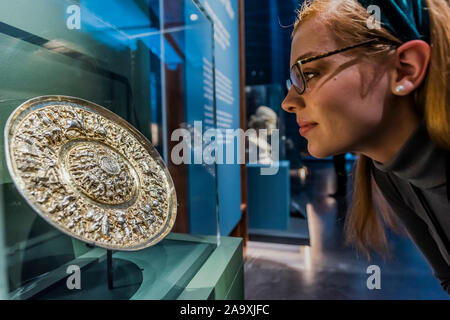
(306, 128)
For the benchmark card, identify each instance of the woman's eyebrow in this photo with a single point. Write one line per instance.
(307, 55)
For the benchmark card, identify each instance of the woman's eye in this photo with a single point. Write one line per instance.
(309, 75)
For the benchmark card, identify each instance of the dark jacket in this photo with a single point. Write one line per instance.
(415, 185)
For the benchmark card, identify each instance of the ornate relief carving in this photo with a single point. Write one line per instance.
(89, 175)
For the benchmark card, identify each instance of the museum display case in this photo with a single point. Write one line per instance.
(137, 59)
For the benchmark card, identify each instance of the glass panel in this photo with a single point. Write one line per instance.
(113, 53)
(187, 47)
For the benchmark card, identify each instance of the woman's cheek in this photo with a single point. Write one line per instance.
(332, 136)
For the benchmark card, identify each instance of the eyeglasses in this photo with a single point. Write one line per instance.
(297, 78)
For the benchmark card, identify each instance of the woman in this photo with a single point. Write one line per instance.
(381, 91)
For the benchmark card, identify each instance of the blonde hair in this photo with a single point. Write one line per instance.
(347, 22)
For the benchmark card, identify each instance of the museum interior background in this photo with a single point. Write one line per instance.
(163, 65)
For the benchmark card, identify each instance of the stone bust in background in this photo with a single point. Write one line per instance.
(264, 118)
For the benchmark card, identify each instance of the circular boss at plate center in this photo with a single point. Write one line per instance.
(100, 173)
(110, 165)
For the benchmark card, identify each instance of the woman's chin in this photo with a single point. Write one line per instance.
(318, 153)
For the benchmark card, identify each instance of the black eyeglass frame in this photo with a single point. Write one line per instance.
(298, 64)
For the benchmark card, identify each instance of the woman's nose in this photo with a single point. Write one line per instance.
(288, 102)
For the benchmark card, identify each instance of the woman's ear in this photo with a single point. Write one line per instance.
(410, 67)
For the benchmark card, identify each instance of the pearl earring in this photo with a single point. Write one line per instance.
(399, 88)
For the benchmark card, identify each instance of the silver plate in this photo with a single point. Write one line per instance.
(89, 173)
